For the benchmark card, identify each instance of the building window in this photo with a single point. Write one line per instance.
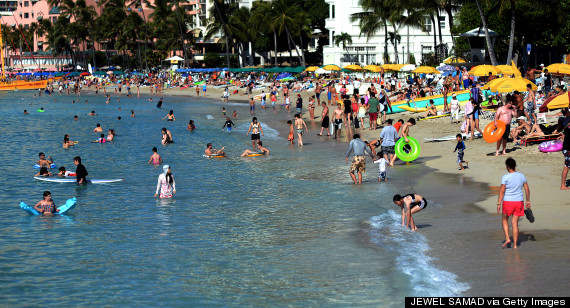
(26, 15)
(427, 23)
(26, 3)
(333, 10)
(373, 48)
(442, 22)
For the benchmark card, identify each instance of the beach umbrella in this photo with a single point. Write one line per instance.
(454, 59)
(353, 67)
(446, 68)
(331, 67)
(311, 68)
(484, 70)
(73, 74)
(137, 74)
(321, 71)
(407, 67)
(492, 83)
(426, 70)
(556, 102)
(84, 74)
(373, 68)
(60, 74)
(118, 73)
(99, 73)
(507, 85)
(559, 68)
(505, 69)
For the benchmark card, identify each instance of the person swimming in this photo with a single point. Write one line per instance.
(170, 116)
(100, 140)
(46, 206)
(155, 158)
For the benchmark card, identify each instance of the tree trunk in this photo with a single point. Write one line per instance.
(227, 53)
(512, 36)
(302, 51)
(181, 34)
(275, 51)
(439, 26)
(434, 38)
(450, 18)
(225, 26)
(289, 46)
(396, 58)
(487, 37)
(385, 43)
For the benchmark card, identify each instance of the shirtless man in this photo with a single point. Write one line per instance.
(529, 102)
(318, 91)
(505, 114)
(333, 93)
(405, 130)
(285, 93)
(523, 127)
(299, 123)
(338, 113)
(410, 204)
(98, 129)
(209, 151)
(326, 122)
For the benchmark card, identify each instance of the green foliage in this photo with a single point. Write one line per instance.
(412, 59)
(212, 59)
(100, 58)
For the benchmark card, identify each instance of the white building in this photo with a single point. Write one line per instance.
(364, 52)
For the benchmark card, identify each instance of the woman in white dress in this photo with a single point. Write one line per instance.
(166, 184)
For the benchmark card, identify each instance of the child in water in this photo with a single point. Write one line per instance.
(291, 133)
(191, 125)
(46, 206)
(155, 158)
(228, 124)
(100, 140)
(381, 167)
(63, 172)
(43, 172)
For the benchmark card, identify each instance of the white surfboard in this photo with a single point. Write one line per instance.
(73, 180)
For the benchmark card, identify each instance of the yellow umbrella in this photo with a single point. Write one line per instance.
(484, 70)
(512, 84)
(516, 71)
(505, 69)
(353, 67)
(395, 67)
(331, 67)
(311, 68)
(454, 59)
(372, 68)
(426, 70)
(559, 68)
(493, 83)
(387, 66)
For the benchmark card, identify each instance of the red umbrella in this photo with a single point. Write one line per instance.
(84, 74)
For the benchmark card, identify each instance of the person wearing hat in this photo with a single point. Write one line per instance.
(166, 184)
(523, 128)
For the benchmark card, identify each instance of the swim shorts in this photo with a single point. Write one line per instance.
(337, 123)
(358, 164)
(513, 208)
(382, 175)
(373, 116)
(388, 149)
(507, 132)
(318, 95)
(423, 204)
(325, 123)
(252, 107)
(566, 158)
(254, 136)
(299, 131)
(459, 157)
(291, 137)
(356, 91)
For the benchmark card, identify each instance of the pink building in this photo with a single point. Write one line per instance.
(30, 55)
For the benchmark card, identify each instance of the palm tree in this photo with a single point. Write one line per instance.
(286, 18)
(260, 19)
(217, 24)
(487, 37)
(343, 39)
(372, 19)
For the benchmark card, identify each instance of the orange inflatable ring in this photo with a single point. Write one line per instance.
(491, 135)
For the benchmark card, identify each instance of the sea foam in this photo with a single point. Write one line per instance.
(412, 247)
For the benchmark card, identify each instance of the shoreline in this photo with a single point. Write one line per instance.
(468, 243)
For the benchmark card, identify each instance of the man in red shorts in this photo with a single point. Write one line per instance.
(373, 104)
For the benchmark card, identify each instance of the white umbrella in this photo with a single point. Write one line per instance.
(408, 68)
(175, 58)
(320, 71)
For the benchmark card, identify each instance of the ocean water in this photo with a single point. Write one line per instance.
(284, 230)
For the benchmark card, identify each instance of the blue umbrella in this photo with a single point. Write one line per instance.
(446, 68)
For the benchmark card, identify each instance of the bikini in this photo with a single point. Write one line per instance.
(422, 203)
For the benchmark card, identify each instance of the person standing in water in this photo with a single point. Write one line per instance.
(228, 124)
(80, 171)
(170, 116)
(299, 123)
(255, 129)
(155, 158)
(166, 184)
(512, 201)
(166, 136)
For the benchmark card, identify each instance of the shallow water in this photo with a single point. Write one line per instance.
(283, 230)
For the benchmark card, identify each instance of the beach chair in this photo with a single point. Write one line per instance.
(538, 139)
